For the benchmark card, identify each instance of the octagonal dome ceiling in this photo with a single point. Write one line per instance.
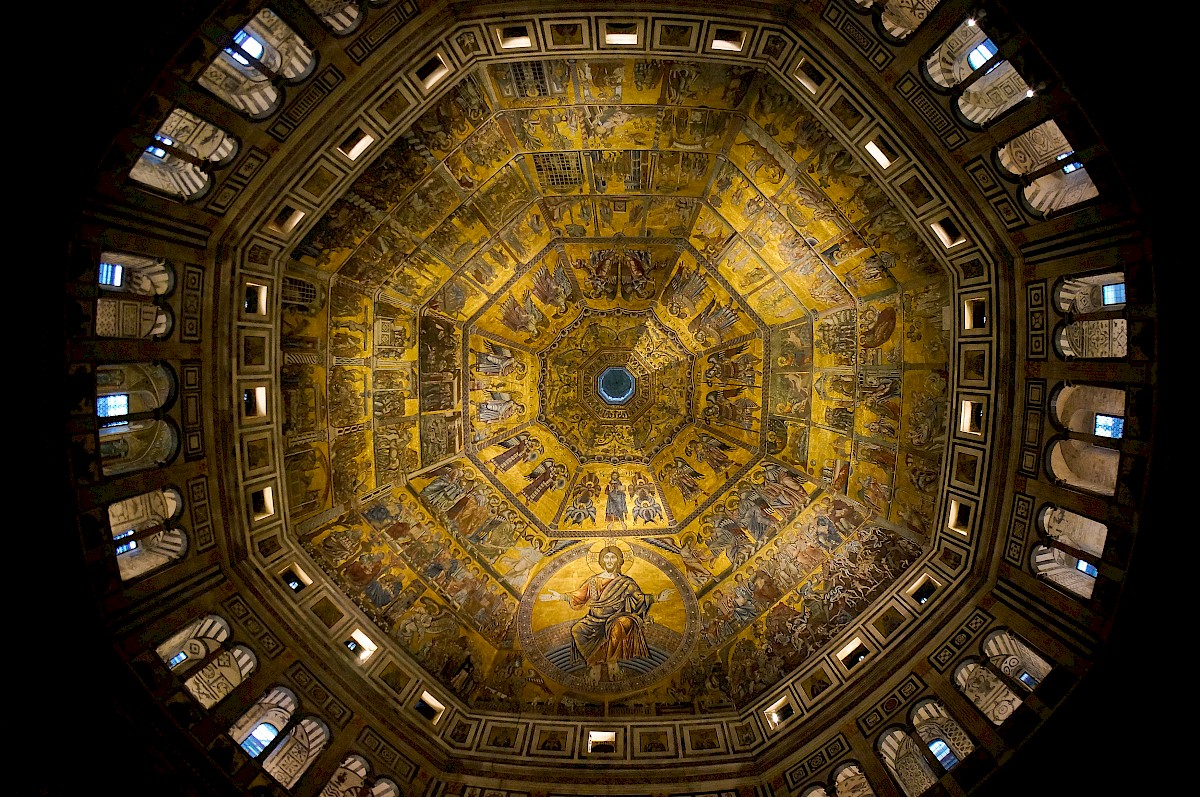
(631, 328)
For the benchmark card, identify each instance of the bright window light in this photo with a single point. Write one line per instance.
(159, 152)
(944, 754)
(125, 547)
(1112, 426)
(980, 55)
(1086, 568)
(1070, 167)
(111, 274)
(250, 45)
(1114, 294)
(1028, 679)
(259, 738)
(177, 659)
(112, 405)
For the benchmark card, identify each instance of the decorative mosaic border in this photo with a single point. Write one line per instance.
(970, 628)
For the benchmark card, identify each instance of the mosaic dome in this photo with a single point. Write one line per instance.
(621, 298)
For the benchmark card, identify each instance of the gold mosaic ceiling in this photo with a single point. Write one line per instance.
(774, 465)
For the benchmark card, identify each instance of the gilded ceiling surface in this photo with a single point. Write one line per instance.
(638, 387)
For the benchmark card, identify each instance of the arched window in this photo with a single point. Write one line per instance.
(899, 18)
(349, 778)
(942, 735)
(131, 287)
(188, 647)
(275, 709)
(1072, 532)
(143, 529)
(1074, 574)
(296, 751)
(180, 159)
(385, 787)
(969, 62)
(1052, 172)
(1084, 465)
(1092, 339)
(902, 756)
(340, 16)
(1090, 293)
(130, 398)
(849, 781)
(987, 690)
(263, 52)
(289, 745)
(1090, 410)
(1009, 655)
(222, 674)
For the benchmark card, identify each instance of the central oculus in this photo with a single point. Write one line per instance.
(615, 384)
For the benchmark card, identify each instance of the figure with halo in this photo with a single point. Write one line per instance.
(613, 629)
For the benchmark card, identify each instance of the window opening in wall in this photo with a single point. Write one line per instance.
(1070, 167)
(111, 274)
(429, 707)
(1109, 426)
(112, 405)
(1027, 679)
(980, 55)
(944, 754)
(924, 592)
(1114, 294)
(295, 581)
(602, 741)
(159, 152)
(1086, 568)
(125, 547)
(780, 712)
(620, 33)
(259, 738)
(250, 45)
(360, 645)
(177, 659)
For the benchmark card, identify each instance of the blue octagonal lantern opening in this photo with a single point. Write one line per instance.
(615, 384)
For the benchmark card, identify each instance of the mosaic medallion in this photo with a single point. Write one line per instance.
(608, 617)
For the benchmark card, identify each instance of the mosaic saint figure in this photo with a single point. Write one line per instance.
(616, 507)
(613, 629)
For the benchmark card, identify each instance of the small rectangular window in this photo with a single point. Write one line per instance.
(254, 301)
(111, 274)
(354, 144)
(779, 712)
(729, 40)
(602, 741)
(1086, 568)
(295, 578)
(621, 33)
(112, 405)
(883, 152)
(262, 503)
(1109, 426)
(432, 71)
(429, 707)
(1114, 294)
(176, 660)
(948, 233)
(514, 37)
(1027, 679)
(853, 653)
(809, 76)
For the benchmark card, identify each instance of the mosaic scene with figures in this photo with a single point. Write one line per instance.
(781, 400)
